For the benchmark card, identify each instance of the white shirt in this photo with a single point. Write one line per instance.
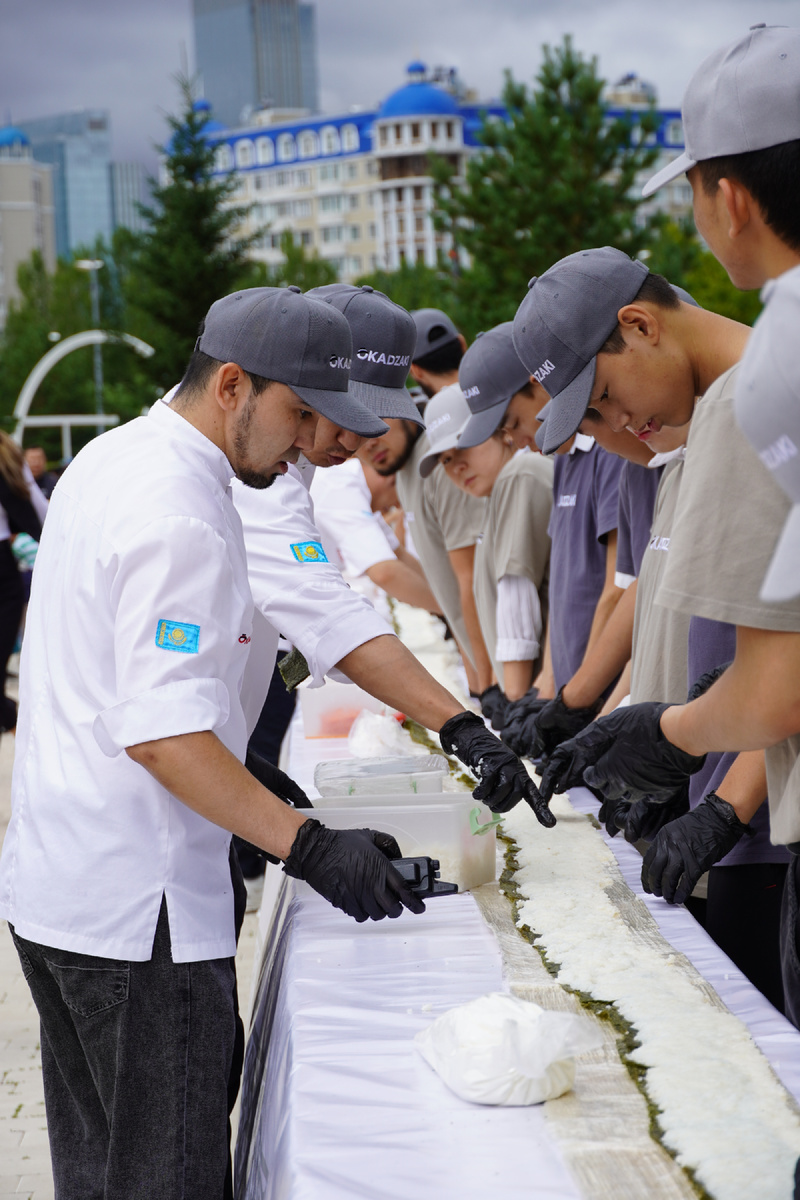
(297, 590)
(138, 629)
(354, 537)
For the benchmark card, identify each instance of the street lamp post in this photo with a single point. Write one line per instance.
(93, 265)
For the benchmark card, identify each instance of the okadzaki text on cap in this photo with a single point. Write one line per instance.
(767, 408)
(489, 374)
(384, 337)
(290, 338)
(445, 417)
(434, 330)
(745, 96)
(564, 320)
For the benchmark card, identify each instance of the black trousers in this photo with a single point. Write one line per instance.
(12, 601)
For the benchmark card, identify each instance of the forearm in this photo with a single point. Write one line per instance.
(410, 561)
(462, 563)
(754, 704)
(517, 678)
(745, 785)
(622, 688)
(608, 601)
(604, 660)
(545, 680)
(386, 669)
(404, 584)
(202, 773)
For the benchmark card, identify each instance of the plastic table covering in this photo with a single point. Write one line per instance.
(337, 1104)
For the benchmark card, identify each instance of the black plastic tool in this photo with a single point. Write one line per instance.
(422, 876)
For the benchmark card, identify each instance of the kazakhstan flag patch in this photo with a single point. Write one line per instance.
(309, 552)
(178, 635)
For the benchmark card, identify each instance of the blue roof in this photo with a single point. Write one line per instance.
(417, 100)
(10, 135)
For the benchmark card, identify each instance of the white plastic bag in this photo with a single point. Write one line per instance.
(502, 1050)
(378, 734)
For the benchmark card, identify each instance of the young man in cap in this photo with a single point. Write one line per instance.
(115, 876)
(445, 524)
(301, 594)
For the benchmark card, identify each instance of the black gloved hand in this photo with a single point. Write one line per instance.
(276, 780)
(613, 814)
(645, 818)
(686, 848)
(351, 868)
(554, 724)
(503, 779)
(494, 703)
(624, 756)
(517, 715)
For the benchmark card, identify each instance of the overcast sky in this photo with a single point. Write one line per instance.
(122, 55)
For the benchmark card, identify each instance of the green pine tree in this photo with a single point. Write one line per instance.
(304, 270)
(556, 177)
(191, 253)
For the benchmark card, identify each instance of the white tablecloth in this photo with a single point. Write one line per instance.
(337, 1103)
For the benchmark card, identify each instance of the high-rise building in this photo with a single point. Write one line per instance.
(254, 53)
(128, 182)
(78, 147)
(26, 212)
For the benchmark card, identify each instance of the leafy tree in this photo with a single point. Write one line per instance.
(191, 253)
(415, 285)
(299, 268)
(554, 178)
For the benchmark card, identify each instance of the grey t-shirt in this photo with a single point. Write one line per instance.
(660, 635)
(515, 540)
(443, 518)
(728, 520)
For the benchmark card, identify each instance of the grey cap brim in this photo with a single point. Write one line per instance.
(481, 425)
(566, 410)
(385, 401)
(782, 580)
(427, 464)
(343, 410)
(684, 162)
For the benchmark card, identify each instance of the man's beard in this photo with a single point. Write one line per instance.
(397, 464)
(250, 478)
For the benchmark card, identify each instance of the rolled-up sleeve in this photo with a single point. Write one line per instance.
(178, 620)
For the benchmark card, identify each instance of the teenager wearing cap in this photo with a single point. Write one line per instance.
(297, 591)
(445, 524)
(512, 555)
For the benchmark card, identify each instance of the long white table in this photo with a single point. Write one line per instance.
(337, 1103)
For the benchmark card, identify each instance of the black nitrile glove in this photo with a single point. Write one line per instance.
(276, 780)
(613, 814)
(624, 756)
(686, 848)
(517, 715)
(645, 818)
(701, 685)
(554, 724)
(351, 868)
(503, 779)
(494, 703)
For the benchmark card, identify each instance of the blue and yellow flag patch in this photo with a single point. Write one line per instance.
(309, 552)
(178, 635)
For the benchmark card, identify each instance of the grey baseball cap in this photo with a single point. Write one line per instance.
(767, 408)
(384, 336)
(282, 335)
(489, 374)
(745, 96)
(567, 315)
(445, 417)
(434, 330)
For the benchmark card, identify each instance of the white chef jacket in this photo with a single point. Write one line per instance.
(138, 629)
(297, 590)
(354, 536)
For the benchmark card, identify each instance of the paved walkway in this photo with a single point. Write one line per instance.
(24, 1154)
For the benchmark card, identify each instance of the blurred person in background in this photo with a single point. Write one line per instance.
(36, 459)
(17, 516)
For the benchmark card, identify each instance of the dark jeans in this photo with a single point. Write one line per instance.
(743, 916)
(136, 1059)
(790, 956)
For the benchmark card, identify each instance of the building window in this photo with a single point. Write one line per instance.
(418, 193)
(334, 203)
(355, 233)
(434, 130)
(401, 224)
(415, 131)
(224, 158)
(371, 199)
(302, 208)
(330, 139)
(419, 224)
(373, 261)
(306, 237)
(333, 233)
(265, 151)
(302, 179)
(673, 133)
(450, 128)
(308, 144)
(399, 194)
(373, 231)
(384, 138)
(352, 170)
(420, 254)
(350, 139)
(283, 178)
(286, 149)
(244, 153)
(329, 172)
(372, 166)
(354, 201)
(354, 264)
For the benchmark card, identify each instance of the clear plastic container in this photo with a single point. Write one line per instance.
(329, 711)
(455, 829)
(410, 774)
